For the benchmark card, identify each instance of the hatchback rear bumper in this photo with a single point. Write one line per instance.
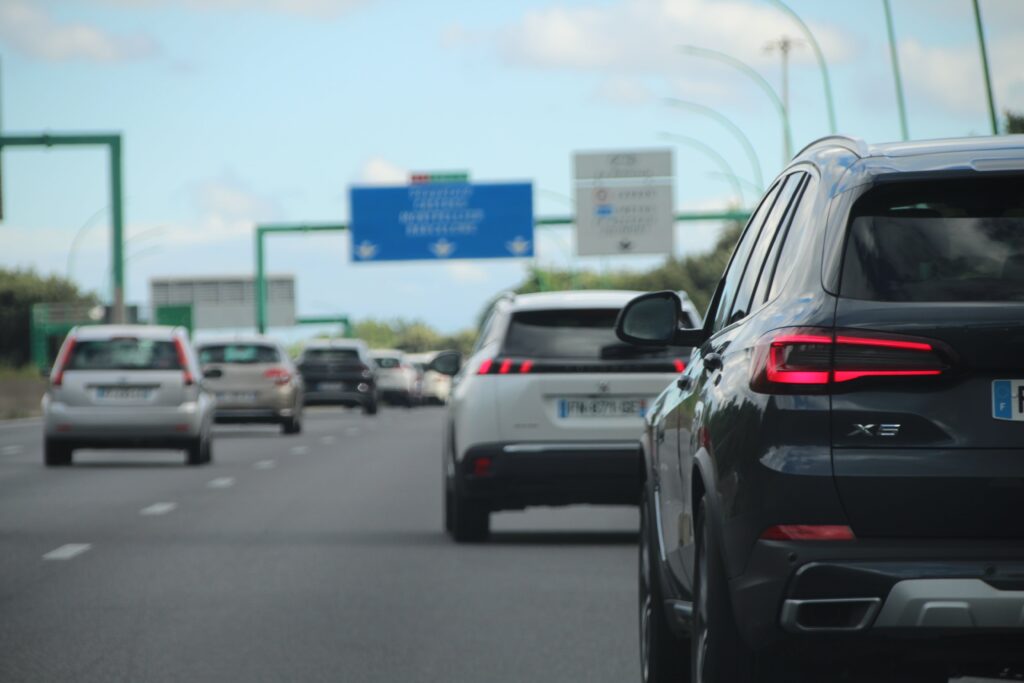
(870, 592)
(130, 424)
(518, 475)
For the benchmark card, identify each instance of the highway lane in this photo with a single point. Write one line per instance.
(317, 557)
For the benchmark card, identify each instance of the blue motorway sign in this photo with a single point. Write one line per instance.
(442, 221)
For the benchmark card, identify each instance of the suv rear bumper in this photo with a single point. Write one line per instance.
(555, 473)
(869, 592)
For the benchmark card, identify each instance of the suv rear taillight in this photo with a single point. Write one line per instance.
(280, 375)
(504, 366)
(805, 360)
(186, 374)
(62, 362)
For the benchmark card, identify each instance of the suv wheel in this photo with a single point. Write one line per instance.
(719, 655)
(663, 656)
(471, 519)
(449, 502)
(370, 408)
(56, 454)
(198, 452)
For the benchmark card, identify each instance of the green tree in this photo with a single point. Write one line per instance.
(19, 289)
(1014, 122)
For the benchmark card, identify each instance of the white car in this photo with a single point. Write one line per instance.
(126, 386)
(398, 380)
(434, 386)
(549, 408)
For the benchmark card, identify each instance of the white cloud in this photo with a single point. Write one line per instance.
(324, 9)
(35, 32)
(377, 171)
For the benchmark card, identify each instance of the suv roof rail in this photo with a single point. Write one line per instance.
(855, 145)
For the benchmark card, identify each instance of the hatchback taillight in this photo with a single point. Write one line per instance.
(812, 359)
(279, 375)
(186, 374)
(504, 366)
(62, 362)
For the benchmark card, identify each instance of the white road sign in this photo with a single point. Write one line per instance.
(624, 203)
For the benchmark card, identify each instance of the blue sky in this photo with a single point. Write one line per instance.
(235, 112)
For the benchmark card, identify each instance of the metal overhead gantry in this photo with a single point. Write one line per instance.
(276, 228)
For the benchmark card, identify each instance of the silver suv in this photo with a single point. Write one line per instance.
(126, 386)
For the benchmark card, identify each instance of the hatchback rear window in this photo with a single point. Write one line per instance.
(330, 355)
(238, 353)
(941, 240)
(580, 334)
(124, 354)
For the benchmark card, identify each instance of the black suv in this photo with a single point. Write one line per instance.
(838, 475)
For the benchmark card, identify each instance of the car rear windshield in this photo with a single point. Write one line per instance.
(387, 363)
(587, 333)
(238, 353)
(942, 240)
(330, 356)
(124, 354)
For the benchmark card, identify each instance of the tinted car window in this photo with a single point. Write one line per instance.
(755, 263)
(795, 232)
(739, 260)
(580, 334)
(124, 354)
(941, 240)
(238, 353)
(330, 355)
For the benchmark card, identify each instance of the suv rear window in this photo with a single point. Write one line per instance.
(126, 353)
(941, 240)
(238, 353)
(330, 355)
(567, 333)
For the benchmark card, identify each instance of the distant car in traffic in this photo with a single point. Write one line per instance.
(836, 478)
(434, 386)
(126, 386)
(339, 372)
(549, 408)
(397, 378)
(253, 380)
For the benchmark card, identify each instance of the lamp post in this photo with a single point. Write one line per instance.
(737, 132)
(984, 68)
(819, 55)
(787, 136)
(894, 55)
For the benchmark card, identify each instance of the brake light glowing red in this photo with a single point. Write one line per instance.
(506, 365)
(526, 367)
(679, 364)
(62, 362)
(808, 532)
(485, 366)
(186, 374)
(482, 466)
(279, 375)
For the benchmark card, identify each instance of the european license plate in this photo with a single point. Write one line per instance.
(123, 393)
(1008, 399)
(601, 407)
(236, 396)
(331, 386)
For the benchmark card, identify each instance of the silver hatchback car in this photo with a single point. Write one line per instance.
(126, 386)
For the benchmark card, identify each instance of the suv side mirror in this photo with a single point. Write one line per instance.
(447, 363)
(656, 319)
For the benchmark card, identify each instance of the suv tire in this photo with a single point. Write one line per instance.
(198, 452)
(719, 654)
(370, 408)
(663, 656)
(56, 454)
(471, 519)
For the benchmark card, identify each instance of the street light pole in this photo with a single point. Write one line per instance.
(895, 56)
(783, 45)
(984, 67)
(737, 132)
(787, 136)
(820, 56)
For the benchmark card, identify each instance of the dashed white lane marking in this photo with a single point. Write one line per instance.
(352, 431)
(221, 482)
(299, 450)
(13, 449)
(327, 440)
(66, 552)
(265, 465)
(158, 509)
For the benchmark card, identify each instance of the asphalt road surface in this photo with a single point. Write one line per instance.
(316, 557)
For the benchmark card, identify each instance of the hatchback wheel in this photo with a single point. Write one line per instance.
(198, 452)
(663, 656)
(719, 655)
(293, 425)
(56, 454)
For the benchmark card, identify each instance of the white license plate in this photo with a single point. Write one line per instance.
(1008, 399)
(331, 386)
(237, 396)
(123, 393)
(601, 407)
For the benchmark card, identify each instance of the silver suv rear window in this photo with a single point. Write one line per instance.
(939, 240)
(126, 353)
(238, 353)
